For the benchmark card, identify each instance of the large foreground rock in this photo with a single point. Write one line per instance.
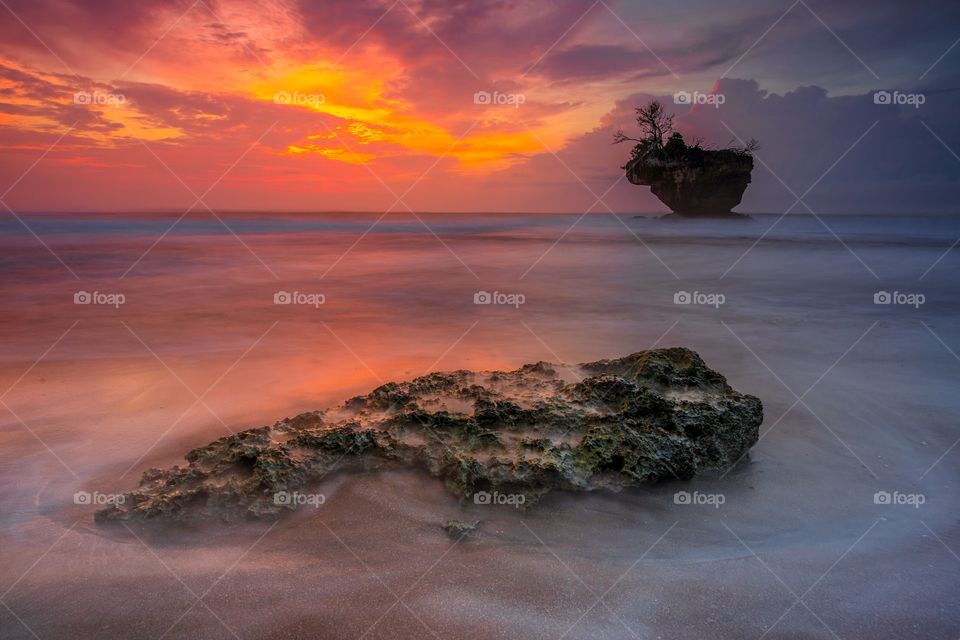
(653, 415)
(700, 182)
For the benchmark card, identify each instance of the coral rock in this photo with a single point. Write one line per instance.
(651, 416)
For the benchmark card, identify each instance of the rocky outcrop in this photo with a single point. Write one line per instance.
(699, 182)
(653, 415)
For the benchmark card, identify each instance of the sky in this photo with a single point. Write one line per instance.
(469, 105)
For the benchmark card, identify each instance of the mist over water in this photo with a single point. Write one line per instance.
(96, 394)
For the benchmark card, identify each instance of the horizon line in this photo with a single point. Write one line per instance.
(177, 212)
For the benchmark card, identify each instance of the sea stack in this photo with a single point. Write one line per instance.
(696, 182)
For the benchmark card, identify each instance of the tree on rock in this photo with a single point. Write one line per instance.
(690, 179)
(675, 146)
(654, 124)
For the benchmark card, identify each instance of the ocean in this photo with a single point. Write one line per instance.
(128, 339)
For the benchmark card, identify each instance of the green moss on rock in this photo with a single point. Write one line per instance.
(650, 416)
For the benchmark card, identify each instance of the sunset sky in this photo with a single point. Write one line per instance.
(354, 105)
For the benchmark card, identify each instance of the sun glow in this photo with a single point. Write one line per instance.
(374, 123)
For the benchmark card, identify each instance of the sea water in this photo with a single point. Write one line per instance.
(842, 520)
